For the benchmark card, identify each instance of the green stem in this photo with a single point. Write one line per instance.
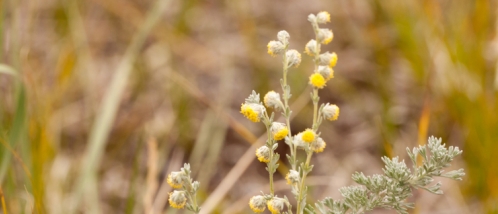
(270, 143)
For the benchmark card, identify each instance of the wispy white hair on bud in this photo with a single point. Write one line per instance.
(293, 58)
(323, 17)
(310, 48)
(325, 36)
(283, 37)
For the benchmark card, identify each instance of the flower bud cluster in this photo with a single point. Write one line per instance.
(326, 61)
(180, 198)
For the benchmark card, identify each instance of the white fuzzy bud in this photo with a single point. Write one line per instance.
(325, 71)
(318, 145)
(283, 37)
(257, 203)
(275, 48)
(312, 18)
(298, 141)
(292, 177)
(330, 112)
(293, 58)
(276, 205)
(323, 17)
(272, 100)
(325, 36)
(263, 154)
(310, 48)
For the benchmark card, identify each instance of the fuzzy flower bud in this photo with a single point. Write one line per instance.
(325, 71)
(275, 48)
(330, 112)
(283, 37)
(312, 18)
(177, 199)
(276, 205)
(328, 59)
(257, 203)
(292, 177)
(252, 111)
(325, 36)
(279, 130)
(310, 48)
(272, 100)
(318, 145)
(263, 154)
(323, 17)
(175, 179)
(308, 136)
(293, 58)
(298, 140)
(317, 80)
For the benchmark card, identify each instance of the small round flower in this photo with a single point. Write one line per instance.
(330, 112)
(283, 36)
(279, 130)
(276, 205)
(323, 17)
(308, 136)
(317, 80)
(325, 71)
(272, 100)
(293, 58)
(292, 177)
(177, 199)
(257, 203)
(318, 145)
(275, 48)
(310, 48)
(263, 154)
(325, 36)
(252, 111)
(175, 179)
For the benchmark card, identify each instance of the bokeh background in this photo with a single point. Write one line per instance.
(100, 100)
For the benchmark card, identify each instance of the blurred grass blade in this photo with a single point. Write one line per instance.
(86, 185)
(5, 69)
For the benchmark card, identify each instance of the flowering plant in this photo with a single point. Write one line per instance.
(387, 191)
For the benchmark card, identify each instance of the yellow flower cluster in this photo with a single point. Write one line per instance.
(250, 113)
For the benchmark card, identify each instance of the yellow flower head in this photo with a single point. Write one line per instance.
(250, 112)
(257, 204)
(323, 17)
(317, 80)
(318, 145)
(175, 179)
(333, 60)
(177, 199)
(279, 130)
(308, 136)
(275, 205)
(263, 154)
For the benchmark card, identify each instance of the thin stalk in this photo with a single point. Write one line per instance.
(286, 106)
(270, 143)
